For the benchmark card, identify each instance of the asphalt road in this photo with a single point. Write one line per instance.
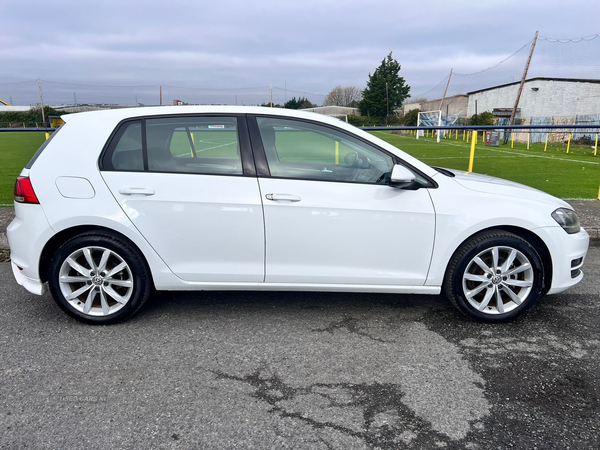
(280, 370)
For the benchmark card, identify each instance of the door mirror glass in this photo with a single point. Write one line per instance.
(402, 178)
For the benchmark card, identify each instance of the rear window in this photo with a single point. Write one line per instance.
(41, 149)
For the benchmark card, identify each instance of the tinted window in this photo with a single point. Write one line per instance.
(302, 150)
(206, 145)
(126, 148)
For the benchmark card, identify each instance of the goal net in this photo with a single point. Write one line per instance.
(433, 119)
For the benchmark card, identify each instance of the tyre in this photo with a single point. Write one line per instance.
(99, 278)
(494, 277)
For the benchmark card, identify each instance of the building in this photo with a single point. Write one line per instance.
(334, 110)
(455, 105)
(541, 97)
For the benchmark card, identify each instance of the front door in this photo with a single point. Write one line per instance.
(330, 215)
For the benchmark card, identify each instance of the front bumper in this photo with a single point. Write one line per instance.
(32, 285)
(564, 249)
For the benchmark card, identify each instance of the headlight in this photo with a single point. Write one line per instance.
(567, 219)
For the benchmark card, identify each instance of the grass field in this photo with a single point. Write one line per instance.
(573, 175)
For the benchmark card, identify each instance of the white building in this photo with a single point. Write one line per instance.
(541, 97)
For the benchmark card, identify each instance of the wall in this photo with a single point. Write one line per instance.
(456, 104)
(554, 98)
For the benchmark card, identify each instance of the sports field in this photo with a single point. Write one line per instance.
(571, 176)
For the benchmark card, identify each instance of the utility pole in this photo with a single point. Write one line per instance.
(446, 90)
(236, 100)
(136, 102)
(74, 98)
(387, 105)
(41, 101)
(514, 111)
(160, 88)
(271, 90)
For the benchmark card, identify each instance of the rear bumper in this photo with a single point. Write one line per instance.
(32, 285)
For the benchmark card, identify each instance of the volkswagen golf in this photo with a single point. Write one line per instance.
(118, 204)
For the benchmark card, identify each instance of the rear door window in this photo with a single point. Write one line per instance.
(202, 145)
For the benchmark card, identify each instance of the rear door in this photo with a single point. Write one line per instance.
(188, 184)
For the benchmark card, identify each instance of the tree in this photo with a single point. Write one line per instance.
(484, 118)
(374, 102)
(343, 96)
(301, 103)
(411, 118)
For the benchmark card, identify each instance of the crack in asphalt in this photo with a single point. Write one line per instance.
(351, 325)
(376, 401)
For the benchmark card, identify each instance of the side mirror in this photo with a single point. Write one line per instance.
(403, 178)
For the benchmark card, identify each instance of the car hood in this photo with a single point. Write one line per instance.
(492, 185)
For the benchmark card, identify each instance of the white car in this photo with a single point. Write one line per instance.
(119, 203)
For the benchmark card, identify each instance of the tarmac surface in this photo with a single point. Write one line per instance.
(304, 371)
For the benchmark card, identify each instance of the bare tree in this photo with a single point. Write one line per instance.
(343, 96)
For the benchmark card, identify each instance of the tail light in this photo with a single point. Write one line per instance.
(24, 191)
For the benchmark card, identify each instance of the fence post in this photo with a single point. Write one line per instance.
(468, 134)
(528, 136)
(546, 146)
(47, 136)
(596, 146)
(512, 139)
(472, 157)
(464, 133)
(337, 152)
(569, 143)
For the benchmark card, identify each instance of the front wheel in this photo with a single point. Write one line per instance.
(99, 278)
(494, 277)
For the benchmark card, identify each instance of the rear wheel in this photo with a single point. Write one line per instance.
(496, 276)
(99, 278)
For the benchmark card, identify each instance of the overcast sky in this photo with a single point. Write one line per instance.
(308, 46)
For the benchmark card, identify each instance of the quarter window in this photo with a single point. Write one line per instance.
(302, 150)
(126, 148)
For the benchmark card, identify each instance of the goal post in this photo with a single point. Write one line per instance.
(433, 119)
(429, 119)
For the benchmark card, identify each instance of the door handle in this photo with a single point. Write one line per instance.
(136, 191)
(283, 197)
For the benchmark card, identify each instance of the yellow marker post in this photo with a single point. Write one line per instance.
(456, 136)
(512, 139)
(472, 157)
(464, 133)
(337, 152)
(598, 193)
(528, 137)
(47, 136)
(596, 146)
(468, 134)
(569, 143)
(546, 146)
(193, 142)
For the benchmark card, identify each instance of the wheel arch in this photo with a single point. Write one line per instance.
(63, 236)
(536, 241)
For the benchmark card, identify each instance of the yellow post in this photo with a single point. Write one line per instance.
(528, 136)
(456, 136)
(512, 139)
(47, 136)
(468, 135)
(193, 142)
(464, 133)
(546, 146)
(472, 157)
(23, 124)
(596, 146)
(36, 125)
(569, 143)
(598, 193)
(337, 152)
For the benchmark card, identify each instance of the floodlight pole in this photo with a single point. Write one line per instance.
(41, 102)
(271, 94)
(514, 111)
(160, 90)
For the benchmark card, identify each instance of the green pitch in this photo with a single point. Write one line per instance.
(573, 175)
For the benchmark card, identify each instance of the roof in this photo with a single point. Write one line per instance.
(569, 80)
(126, 113)
(12, 108)
(325, 107)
